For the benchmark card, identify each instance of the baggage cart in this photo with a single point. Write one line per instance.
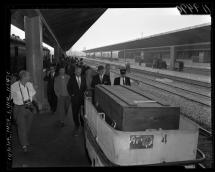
(107, 146)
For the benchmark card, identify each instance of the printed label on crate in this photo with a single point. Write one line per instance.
(141, 141)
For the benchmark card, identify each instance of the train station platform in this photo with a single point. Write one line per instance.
(52, 146)
(196, 77)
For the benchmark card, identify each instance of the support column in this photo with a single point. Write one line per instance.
(142, 54)
(34, 54)
(172, 57)
(57, 53)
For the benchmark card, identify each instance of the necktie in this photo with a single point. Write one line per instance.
(123, 81)
(101, 79)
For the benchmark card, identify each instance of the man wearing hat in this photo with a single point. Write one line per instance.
(122, 80)
(100, 78)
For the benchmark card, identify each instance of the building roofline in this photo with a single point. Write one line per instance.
(159, 34)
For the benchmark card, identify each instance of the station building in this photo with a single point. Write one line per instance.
(192, 45)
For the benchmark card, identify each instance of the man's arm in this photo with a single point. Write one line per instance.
(13, 93)
(56, 87)
(69, 87)
(30, 86)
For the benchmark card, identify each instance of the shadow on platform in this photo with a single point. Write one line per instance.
(52, 146)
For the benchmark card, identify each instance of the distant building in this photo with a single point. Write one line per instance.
(191, 45)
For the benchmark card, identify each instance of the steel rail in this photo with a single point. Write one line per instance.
(186, 97)
(178, 87)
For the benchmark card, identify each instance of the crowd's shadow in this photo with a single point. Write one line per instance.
(51, 145)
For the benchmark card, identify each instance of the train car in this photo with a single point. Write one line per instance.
(18, 54)
(108, 146)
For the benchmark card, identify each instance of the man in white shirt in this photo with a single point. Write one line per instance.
(22, 93)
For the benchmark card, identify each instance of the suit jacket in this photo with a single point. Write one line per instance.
(50, 84)
(96, 80)
(76, 93)
(117, 81)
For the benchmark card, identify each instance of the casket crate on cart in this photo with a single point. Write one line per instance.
(132, 111)
(139, 147)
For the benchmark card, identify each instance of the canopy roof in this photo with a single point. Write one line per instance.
(190, 35)
(61, 26)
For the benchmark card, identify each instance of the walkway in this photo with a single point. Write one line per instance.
(51, 146)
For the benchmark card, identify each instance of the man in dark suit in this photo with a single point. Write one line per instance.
(100, 78)
(76, 88)
(52, 98)
(122, 80)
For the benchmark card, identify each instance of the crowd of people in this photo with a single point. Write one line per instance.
(67, 83)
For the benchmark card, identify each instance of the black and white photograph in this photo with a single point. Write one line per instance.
(99, 86)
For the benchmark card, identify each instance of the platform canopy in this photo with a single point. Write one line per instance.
(190, 35)
(61, 26)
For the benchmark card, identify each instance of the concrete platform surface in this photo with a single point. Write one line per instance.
(52, 146)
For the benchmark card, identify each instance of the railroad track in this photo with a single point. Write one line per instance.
(205, 144)
(179, 79)
(190, 93)
(198, 89)
(187, 94)
(205, 132)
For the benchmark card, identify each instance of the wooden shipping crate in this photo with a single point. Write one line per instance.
(133, 111)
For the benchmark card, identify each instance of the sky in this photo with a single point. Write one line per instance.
(120, 25)
(123, 24)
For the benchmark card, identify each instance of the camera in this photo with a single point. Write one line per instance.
(28, 105)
